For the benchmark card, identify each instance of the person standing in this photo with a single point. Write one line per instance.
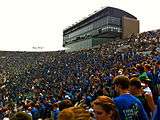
(129, 107)
(146, 98)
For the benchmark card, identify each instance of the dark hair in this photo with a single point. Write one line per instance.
(21, 116)
(122, 81)
(140, 67)
(135, 82)
(54, 105)
(65, 104)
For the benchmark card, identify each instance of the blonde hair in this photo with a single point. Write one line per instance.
(74, 113)
(107, 105)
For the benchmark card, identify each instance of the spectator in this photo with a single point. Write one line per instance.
(21, 116)
(157, 112)
(105, 109)
(65, 104)
(55, 111)
(35, 113)
(74, 113)
(129, 107)
(43, 77)
(146, 99)
(156, 81)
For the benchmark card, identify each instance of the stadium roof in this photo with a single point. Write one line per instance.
(108, 11)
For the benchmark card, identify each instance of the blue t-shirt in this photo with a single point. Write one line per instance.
(130, 108)
(55, 114)
(156, 116)
(35, 113)
(156, 84)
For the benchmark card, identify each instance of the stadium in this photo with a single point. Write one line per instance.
(86, 82)
(101, 27)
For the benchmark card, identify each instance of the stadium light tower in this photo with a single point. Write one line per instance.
(37, 46)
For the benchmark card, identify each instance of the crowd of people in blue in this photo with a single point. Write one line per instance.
(119, 80)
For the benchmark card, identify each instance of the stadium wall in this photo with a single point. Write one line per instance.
(129, 26)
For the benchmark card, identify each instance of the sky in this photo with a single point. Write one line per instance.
(37, 25)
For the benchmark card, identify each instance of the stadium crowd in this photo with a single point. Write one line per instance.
(117, 80)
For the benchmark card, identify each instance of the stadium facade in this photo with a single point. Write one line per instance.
(101, 27)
